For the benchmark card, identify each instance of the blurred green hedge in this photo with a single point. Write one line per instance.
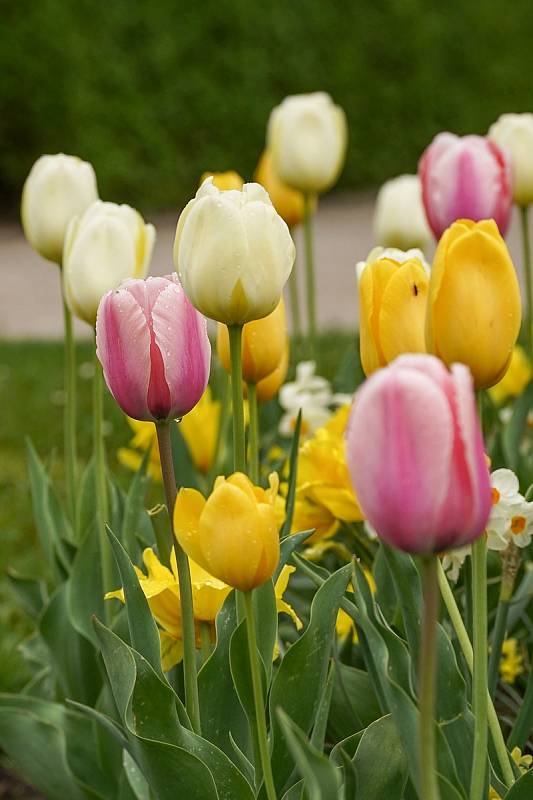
(154, 92)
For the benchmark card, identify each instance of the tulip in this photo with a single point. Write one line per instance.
(233, 253)
(416, 457)
(307, 136)
(393, 290)
(58, 188)
(473, 308)
(263, 345)
(399, 216)
(233, 534)
(224, 180)
(153, 347)
(289, 203)
(515, 379)
(514, 134)
(268, 387)
(465, 177)
(105, 246)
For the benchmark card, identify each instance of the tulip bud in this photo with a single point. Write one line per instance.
(514, 134)
(473, 310)
(268, 387)
(224, 180)
(288, 202)
(105, 246)
(233, 534)
(399, 216)
(465, 177)
(57, 188)
(233, 253)
(393, 289)
(307, 136)
(416, 456)
(263, 345)
(153, 347)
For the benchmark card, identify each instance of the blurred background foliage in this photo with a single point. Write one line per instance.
(154, 92)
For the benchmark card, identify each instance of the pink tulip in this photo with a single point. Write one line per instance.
(465, 177)
(416, 457)
(153, 347)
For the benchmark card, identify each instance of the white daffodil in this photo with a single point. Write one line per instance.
(454, 560)
(511, 518)
(313, 395)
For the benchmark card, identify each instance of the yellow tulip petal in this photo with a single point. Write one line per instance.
(171, 651)
(403, 311)
(189, 506)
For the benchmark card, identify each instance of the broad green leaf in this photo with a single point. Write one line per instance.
(514, 430)
(298, 683)
(379, 777)
(85, 594)
(353, 705)
(320, 776)
(86, 501)
(31, 592)
(293, 475)
(184, 469)
(134, 510)
(522, 789)
(318, 736)
(287, 548)
(136, 779)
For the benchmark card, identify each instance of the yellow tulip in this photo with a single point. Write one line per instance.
(515, 379)
(289, 203)
(392, 308)
(233, 534)
(268, 387)
(224, 180)
(473, 312)
(264, 342)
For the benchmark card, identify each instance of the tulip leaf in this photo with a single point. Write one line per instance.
(85, 594)
(31, 592)
(293, 475)
(522, 789)
(288, 547)
(298, 683)
(184, 470)
(354, 704)
(135, 778)
(389, 780)
(515, 428)
(321, 778)
(134, 511)
(87, 501)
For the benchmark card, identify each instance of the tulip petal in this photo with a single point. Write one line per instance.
(189, 506)
(403, 311)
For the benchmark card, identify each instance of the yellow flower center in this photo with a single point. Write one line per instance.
(517, 525)
(495, 496)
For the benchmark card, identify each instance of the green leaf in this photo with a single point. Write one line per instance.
(293, 475)
(514, 430)
(379, 777)
(298, 683)
(85, 595)
(87, 501)
(31, 592)
(287, 548)
(136, 779)
(354, 704)
(184, 468)
(134, 510)
(522, 789)
(321, 720)
(321, 778)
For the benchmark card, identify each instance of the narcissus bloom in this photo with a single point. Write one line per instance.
(307, 136)
(473, 309)
(57, 189)
(103, 247)
(224, 180)
(233, 253)
(514, 134)
(416, 456)
(154, 348)
(233, 534)
(263, 345)
(393, 290)
(465, 177)
(511, 517)
(288, 202)
(399, 216)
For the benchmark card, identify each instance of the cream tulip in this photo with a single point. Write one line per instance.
(399, 216)
(103, 247)
(233, 253)
(514, 133)
(307, 136)
(57, 188)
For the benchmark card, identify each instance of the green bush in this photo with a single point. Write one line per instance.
(154, 92)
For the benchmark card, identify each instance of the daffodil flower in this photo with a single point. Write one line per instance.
(511, 518)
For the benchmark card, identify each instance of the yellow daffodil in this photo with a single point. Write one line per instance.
(279, 588)
(523, 762)
(515, 379)
(224, 180)
(144, 438)
(234, 533)
(511, 662)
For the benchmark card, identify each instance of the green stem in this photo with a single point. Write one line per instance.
(498, 637)
(310, 275)
(428, 679)
(295, 303)
(100, 477)
(260, 717)
(526, 248)
(184, 577)
(205, 638)
(253, 452)
(466, 647)
(239, 446)
(220, 446)
(479, 682)
(69, 422)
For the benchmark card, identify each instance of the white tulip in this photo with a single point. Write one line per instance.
(106, 245)
(233, 253)
(57, 188)
(514, 133)
(399, 216)
(307, 137)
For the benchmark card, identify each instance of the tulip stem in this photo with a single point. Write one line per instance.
(100, 478)
(253, 444)
(466, 646)
(310, 274)
(526, 248)
(70, 434)
(480, 676)
(239, 445)
(295, 303)
(510, 563)
(184, 579)
(429, 788)
(259, 703)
